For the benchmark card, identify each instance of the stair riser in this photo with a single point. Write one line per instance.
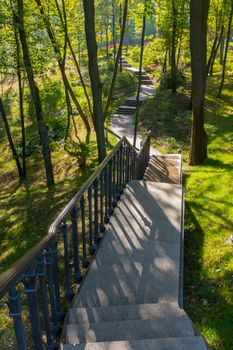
(129, 330)
(159, 311)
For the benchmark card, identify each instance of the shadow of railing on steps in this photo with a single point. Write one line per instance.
(37, 288)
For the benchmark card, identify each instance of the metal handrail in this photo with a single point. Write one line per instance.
(10, 276)
(53, 266)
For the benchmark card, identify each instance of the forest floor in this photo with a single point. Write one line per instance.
(208, 275)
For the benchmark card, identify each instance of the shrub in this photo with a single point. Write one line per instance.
(166, 80)
(80, 150)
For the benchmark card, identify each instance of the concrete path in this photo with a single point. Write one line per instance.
(122, 123)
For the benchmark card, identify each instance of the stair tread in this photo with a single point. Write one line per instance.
(179, 343)
(138, 260)
(128, 330)
(125, 312)
(164, 168)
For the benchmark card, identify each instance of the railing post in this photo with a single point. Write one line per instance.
(29, 281)
(15, 312)
(121, 171)
(82, 205)
(47, 325)
(114, 202)
(74, 219)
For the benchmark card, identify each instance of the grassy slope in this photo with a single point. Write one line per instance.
(209, 211)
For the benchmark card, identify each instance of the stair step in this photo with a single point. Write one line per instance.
(129, 330)
(184, 343)
(125, 312)
(132, 102)
(139, 258)
(164, 168)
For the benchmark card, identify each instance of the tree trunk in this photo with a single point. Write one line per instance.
(42, 128)
(65, 27)
(21, 109)
(173, 51)
(96, 85)
(165, 62)
(222, 45)
(216, 51)
(114, 29)
(226, 51)
(213, 48)
(198, 33)
(61, 67)
(11, 142)
(118, 57)
(140, 74)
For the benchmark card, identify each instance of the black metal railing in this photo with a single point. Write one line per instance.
(38, 287)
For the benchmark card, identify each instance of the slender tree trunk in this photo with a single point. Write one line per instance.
(213, 48)
(179, 49)
(65, 27)
(21, 109)
(165, 62)
(59, 58)
(173, 51)
(114, 29)
(198, 33)
(140, 74)
(107, 41)
(118, 57)
(42, 128)
(226, 51)
(216, 51)
(11, 142)
(120, 24)
(222, 45)
(96, 85)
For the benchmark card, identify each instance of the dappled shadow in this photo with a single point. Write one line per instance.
(138, 260)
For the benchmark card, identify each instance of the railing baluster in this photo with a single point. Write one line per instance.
(106, 218)
(49, 268)
(15, 312)
(74, 219)
(96, 212)
(123, 165)
(64, 229)
(118, 176)
(114, 185)
(127, 165)
(110, 210)
(121, 170)
(69, 292)
(102, 227)
(29, 281)
(91, 247)
(55, 279)
(84, 260)
(47, 325)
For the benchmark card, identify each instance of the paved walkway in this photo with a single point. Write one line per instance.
(130, 298)
(122, 122)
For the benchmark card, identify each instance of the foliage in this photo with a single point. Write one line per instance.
(80, 150)
(166, 79)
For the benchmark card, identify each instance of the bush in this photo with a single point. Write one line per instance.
(80, 150)
(166, 80)
(57, 126)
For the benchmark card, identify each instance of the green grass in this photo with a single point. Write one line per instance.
(208, 281)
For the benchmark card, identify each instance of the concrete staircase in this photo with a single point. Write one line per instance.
(131, 296)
